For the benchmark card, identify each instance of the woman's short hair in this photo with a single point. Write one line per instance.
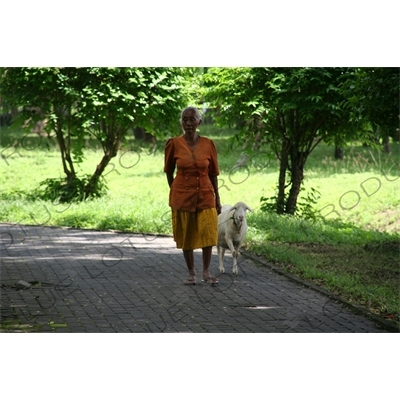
(196, 113)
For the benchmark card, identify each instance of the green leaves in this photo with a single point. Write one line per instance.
(292, 109)
(99, 102)
(374, 96)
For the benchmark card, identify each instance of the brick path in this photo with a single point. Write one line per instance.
(91, 281)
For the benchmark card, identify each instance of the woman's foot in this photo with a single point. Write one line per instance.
(191, 280)
(209, 279)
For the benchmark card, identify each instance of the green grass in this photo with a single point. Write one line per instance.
(16, 326)
(360, 266)
(354, 253)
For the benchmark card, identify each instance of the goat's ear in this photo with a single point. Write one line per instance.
(232, 208)
(248, 208)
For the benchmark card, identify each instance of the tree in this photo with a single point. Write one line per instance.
(102, 102)
(291, 109)
(115, 99)
(374, 95)
(50, 91)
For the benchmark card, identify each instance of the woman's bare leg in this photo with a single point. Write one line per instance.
(207, 252)
(189, 258)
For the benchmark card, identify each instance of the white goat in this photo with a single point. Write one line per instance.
(232, 229)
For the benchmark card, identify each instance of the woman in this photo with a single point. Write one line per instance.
(193, 197)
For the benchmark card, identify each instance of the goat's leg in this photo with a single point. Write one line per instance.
(221, 252)
(229, 242)
(235, 254)
(235, 267)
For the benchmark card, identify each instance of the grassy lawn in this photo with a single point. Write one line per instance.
(353, 253)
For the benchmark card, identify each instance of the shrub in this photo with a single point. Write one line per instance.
(64, 191)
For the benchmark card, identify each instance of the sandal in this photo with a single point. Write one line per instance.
(190, 281)
(211, 281)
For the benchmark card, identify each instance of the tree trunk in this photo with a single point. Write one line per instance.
(110, 146)
(91, 186)
(284, 159)
(386, 143)
(339, 153)
(339, 150)
(242, 161)
(298, 160)
(257, 123)
(257, 141)
(65, 150)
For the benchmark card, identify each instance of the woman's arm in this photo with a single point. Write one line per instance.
(214, 181)
(170, 178)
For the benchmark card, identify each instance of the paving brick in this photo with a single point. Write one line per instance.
(112, 282)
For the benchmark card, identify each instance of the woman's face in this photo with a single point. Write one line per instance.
(190, 122)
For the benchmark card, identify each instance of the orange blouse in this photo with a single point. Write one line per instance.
(191, 189)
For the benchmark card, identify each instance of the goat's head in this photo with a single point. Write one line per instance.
(239, 214)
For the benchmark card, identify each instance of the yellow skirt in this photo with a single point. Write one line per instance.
(195, 230)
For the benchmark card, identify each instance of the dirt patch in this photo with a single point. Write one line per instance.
(386, 221)
(384, 247)
(373, 261)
